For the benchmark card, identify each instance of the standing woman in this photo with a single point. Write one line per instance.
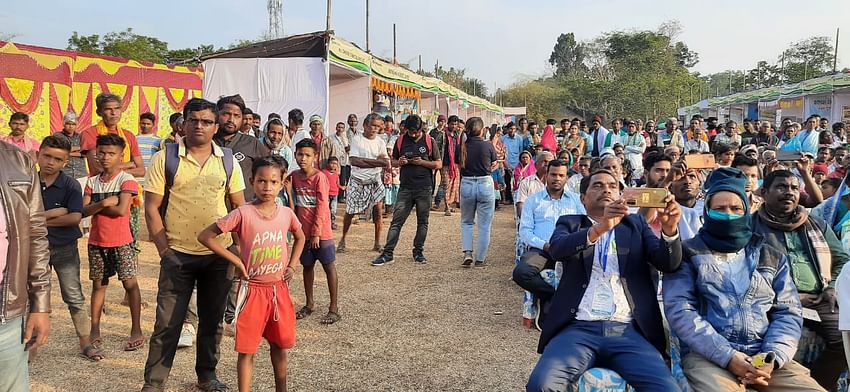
(499, 172)
(477, 162)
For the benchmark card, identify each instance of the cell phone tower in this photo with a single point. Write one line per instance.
(275, 18)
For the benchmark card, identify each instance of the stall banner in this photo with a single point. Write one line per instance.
(845, 114)
(820, 105)
(345, 53)
(45, 83)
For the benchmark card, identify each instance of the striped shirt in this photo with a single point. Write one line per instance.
(148, 145)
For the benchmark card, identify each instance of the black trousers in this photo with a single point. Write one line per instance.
(344, 177)
(527, 273)
(178, 275)
(407, 199)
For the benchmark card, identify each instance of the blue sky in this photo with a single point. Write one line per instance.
(497, 41)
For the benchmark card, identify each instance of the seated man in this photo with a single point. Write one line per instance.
(596, 319)
(540, 212)
(816, 257)
(734, 300)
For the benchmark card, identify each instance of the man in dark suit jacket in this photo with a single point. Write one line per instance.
(605, 312)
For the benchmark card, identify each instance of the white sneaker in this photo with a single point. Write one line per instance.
(187, 336)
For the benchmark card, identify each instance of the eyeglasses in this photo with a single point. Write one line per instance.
(196, 121)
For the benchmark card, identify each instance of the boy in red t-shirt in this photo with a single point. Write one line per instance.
(107, 199)
(332, 173)
(311, 191)
(264, 308)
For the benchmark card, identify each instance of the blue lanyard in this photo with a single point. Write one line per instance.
(602, 249)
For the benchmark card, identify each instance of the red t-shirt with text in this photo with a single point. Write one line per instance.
(262, 240)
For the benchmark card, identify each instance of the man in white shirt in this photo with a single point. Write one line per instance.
(368, 158)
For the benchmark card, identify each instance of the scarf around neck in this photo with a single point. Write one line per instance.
(814, 241)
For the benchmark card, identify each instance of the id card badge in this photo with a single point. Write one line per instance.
(603, 300)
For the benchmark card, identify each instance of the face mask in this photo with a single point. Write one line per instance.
(723, 216)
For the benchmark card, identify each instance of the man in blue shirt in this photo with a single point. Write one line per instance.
(514, 144)
(540, 212)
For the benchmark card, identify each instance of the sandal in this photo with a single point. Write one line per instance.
(341, 247)
(213, 386)
(303, 312)
(92, 353)
(331, 318)
(377, 248)
(97, 342)
(134, 345)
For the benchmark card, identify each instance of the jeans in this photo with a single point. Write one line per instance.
(14, 376)
(334, 203)
(476, 198)
(407, 199)
(65, 260)
(178, 275)
(616, 346)
(441, 189)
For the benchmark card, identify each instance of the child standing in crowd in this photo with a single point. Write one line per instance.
(332, 174)
(264, 308)
(311, 206)
(107, 199)
(392, 182)
(63, 210)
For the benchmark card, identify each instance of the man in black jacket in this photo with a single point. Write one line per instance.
(605, 312)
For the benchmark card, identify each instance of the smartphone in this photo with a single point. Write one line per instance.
(645, 197)
(408, 155)
(700, 161)
(788, 156)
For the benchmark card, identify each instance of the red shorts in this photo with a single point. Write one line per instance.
(264, 310)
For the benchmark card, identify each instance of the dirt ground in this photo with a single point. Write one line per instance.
(405, 327)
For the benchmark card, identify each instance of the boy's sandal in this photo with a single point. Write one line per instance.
(303, 312)
(133, 345)
(331, 318)
(97, 343)
(213, 386)
(92, 353)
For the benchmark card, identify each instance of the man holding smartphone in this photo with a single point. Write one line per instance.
(415, 154)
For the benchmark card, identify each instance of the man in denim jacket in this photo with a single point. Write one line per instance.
(733, 303)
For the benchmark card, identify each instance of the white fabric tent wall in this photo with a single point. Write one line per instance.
(271, 85)
(348, 96)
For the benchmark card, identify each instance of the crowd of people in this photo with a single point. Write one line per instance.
(747, 249)
(749, 238)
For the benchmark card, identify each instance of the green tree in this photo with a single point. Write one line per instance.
(806, 59)
(188, 56)
(568, 56)
(621, 74)
(134, 46)
(85, 43)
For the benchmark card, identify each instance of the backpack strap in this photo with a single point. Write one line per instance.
(227, 160)
(429, 143)
(398, 142)
(172, 162)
